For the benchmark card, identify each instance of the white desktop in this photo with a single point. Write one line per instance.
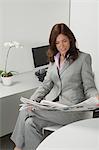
(79, 135)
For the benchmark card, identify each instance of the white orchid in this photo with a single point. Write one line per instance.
(10, 45)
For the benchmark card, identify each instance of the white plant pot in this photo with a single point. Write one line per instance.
(7, 80)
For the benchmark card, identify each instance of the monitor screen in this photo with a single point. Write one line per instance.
(40, 56)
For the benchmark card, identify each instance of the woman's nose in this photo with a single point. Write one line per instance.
(61, 44)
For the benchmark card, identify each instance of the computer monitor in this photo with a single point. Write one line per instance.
(40, 55)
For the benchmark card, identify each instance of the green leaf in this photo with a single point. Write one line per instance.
(6, 74)
(1, 72)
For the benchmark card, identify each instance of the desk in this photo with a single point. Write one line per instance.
(23, 85)
(21, 82)
(80, 135)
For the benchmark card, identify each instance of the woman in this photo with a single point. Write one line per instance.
(69, 81)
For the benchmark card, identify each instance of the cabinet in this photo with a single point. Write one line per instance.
(24, 85)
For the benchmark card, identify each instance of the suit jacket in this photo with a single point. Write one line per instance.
(73, 84)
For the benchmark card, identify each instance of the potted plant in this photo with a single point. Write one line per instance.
(0, 74)
(6, 76)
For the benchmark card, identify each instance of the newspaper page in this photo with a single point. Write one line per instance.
(89, 104)
(42, 105)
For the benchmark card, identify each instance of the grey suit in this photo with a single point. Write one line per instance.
(73, 84)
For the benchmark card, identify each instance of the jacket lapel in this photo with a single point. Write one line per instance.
(56, 72)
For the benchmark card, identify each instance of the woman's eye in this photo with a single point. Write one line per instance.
(64, 40)
(57, 43)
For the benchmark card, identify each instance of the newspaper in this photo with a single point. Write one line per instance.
(42, 105)
(89, 104)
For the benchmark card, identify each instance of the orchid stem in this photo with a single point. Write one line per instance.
(7, 59)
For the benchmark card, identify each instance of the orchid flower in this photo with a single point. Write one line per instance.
(10, 45)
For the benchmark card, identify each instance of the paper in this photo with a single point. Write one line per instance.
(53, 104)
(93, 101)
(27, 102)
(89, 104)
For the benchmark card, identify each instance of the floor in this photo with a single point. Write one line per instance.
(6, 143)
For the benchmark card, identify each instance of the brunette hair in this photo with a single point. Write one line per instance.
(57, 29)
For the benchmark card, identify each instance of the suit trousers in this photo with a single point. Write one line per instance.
(28, 134)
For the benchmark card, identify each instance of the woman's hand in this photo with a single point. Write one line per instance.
(98, 100)
(29, 107)
(97, 97)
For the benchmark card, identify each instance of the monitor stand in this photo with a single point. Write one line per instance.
(41, 73)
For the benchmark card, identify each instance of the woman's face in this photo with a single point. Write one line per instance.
(62, 44)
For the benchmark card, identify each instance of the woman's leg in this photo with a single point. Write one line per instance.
(28, 130)
(63, 117)
(18, 133)
(44, 118)
(33, 132)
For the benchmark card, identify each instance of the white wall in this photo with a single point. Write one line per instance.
(98, 24)
(28, 22)
(84, 22)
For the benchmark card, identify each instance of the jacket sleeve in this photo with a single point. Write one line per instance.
(45, 87)
(88, 78)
